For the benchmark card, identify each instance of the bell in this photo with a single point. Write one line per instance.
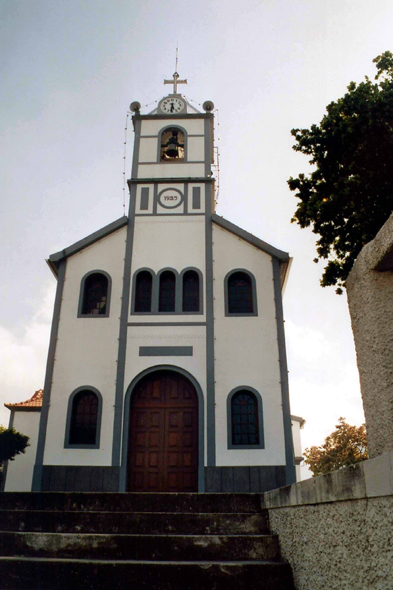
(172, 149)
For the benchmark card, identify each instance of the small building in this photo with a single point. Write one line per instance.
(167, 365)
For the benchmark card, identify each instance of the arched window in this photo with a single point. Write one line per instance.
(172, 145)
(95, 295)
(143, 291)
(84, 418)
(244, 406)
(167, 292)
(240, 293)
(191, 291)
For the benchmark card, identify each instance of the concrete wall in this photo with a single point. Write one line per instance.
(336, 529)
(370, 299)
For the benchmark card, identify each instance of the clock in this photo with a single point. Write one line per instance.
(172, 105)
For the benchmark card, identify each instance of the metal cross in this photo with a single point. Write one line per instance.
(175, 82)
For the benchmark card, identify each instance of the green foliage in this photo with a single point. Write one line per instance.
(12, 443)
(345, 446)
(349, 195)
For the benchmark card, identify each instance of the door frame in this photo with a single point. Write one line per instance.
(127, 416)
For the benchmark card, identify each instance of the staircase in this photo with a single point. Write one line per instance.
(53, 540)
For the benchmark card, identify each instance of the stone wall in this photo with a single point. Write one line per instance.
(370, 299)
(336, 530)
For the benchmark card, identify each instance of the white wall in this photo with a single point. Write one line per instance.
(20, 470)
(86, 352)
(246, 351)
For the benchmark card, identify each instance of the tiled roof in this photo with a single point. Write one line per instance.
(34, 402)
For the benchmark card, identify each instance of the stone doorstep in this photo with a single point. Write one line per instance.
(131, 502)
(53, 574)
(141, 547)
(135, 523)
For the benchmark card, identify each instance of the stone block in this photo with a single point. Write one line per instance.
(378, 476)
(241, 479)
(306, 492)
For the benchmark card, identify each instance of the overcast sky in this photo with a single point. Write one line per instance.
(69, 71)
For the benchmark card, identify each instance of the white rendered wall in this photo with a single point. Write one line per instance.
(246, 351)
(178, 243)
(20, 470)
(86, 352)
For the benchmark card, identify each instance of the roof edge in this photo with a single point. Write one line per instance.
(85, 242)
(247, 237)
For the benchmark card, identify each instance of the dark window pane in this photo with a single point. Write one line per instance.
(143, 290)
(84, 418)
(167, 291)
(191, 291)
(172, 145)
(95, 295)
(240, 293)
(244, 419)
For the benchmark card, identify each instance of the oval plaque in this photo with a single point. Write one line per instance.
(170, 198)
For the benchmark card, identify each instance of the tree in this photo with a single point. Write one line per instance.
(345, 446)
(349, 195)
(12, 443)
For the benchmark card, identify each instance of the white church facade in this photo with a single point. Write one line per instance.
(167, 366)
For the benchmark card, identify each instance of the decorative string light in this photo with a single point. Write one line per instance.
(124, 163)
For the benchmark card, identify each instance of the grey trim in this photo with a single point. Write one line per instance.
(201, 422)
(208, 145)
(121, 357)
(290, 472)
(210, 382)
(82, 295)
(144, 324)
(298, 460)
(185, 208)
(177, 292)
(165, 351)
(179, 214)
(171, 116)
(153, 285)
(37, 475)
(5, 464)
(174, 161)
(155, 193)
(247, 237)
(200, 312)
(258, 396)
(144, 206)
(88, 241)
(167, 206)
(80, 478)
(137, 143)
(179, 179)
(253, 291)
(254, 479)
(196, 197)
(67, 444)
(188, 135)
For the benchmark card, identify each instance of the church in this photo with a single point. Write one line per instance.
(166, 368)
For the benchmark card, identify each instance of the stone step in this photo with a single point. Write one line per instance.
(141, 547)
(131, 502)
(153, 523)
(60, 574)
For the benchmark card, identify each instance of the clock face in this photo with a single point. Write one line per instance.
(172, 105)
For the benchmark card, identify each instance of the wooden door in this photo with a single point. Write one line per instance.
(163, 437)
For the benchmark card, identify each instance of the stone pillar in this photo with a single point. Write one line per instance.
(370, 299)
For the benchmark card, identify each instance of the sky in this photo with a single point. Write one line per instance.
(69, 71)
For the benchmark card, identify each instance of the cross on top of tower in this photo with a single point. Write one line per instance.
(175, 82)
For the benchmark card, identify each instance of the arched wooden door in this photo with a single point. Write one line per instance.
(163, 437)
